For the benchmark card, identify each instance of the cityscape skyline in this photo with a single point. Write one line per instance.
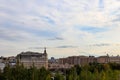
(65, 27)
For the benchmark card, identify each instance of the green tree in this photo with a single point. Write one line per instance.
(58, 76)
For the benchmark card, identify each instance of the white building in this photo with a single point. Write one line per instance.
(2, 66)
(28, 59)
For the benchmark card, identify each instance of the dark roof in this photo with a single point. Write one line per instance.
(29, 53)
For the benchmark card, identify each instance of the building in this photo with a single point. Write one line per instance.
(77, 60)
(2, 64)
(53, 63)
(57, 64)
(108, 59)
(70, 61)
(28, 59)
(114, 59)
(103, 59)
(12, 61)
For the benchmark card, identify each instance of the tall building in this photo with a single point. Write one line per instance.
(28, 59)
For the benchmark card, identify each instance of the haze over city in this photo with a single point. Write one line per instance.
(64, 27)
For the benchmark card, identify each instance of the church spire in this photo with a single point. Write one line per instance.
(45, 51)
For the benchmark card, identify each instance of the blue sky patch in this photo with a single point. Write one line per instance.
(48, 19)
(101, 4)
(92, 29)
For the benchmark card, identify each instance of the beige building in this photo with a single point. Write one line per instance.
(114, 59)
(77, 60)
(103, 59)
(84, 60)
(28, 59)
(55, 64)
(108, 59)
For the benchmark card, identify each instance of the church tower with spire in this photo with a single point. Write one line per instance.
(46, 57)
(45, 51)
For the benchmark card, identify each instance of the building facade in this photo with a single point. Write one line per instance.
(2, 64)
(29, 59)
(58, 64)
(77, 60)
(108, 59)
(84, 60)
(114, 59)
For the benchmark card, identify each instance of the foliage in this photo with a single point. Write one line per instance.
(110, 71)
(58, 76)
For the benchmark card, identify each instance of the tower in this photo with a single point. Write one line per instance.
(46, 57)
(45, 51)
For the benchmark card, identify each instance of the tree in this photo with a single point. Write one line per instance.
(58, 76)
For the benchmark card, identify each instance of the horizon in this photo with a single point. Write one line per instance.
(65, 27)
(65, 56)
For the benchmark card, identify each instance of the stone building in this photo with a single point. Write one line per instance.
(77, 60)
(108, 59)
(114, 59)
(57, 64)
(28, 59)
(103, 59)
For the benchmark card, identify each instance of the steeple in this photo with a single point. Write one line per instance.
(45, 51)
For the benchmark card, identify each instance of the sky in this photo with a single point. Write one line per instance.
(64, 27)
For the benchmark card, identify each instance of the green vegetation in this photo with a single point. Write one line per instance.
(94, 71)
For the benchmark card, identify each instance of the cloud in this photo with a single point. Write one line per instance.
(66, 46)
(12, 34)
(78, 23)
(116, 20)
(101, 45)
(48, 19)
(56, 38)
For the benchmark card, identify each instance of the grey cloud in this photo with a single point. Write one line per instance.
(35, 19)
(116, 20)
(65, 46)
(104, 44)
(13, 34)
(56, 38)
(8, 35)
(101, 45)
